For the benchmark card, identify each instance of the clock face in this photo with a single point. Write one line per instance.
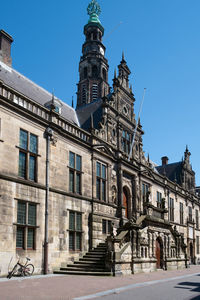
(101, 50)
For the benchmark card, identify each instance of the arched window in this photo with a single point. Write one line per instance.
(88, 36)
(94, 35)
(85, 72)
(94, 71)
(94, 91)
(104, 74)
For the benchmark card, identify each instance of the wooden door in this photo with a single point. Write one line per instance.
(158, 254)
(125, 203)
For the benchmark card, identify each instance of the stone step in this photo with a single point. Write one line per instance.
(85, 266)
(89, 273)
(98, 251)
(87, 269)
(100, 263)
(92, 263)
(91, 259)
(94, 255)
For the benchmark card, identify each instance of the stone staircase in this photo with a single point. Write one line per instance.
(92, 263)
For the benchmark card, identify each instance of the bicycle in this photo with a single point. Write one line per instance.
(22, 270)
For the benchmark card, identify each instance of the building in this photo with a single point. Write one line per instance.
(67, 186)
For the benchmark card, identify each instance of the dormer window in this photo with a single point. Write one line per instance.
(54, 105)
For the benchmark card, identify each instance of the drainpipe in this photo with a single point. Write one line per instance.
(48, 135)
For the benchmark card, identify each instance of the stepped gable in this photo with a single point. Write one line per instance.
(29, 89)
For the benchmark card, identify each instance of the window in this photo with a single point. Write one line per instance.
(75, 167)
(171, 209)
(84, 94)
(94, 91)
(94, 71)
(197, 219)
(145, 192)
(106, 226)
(75, 231)
(28, 145)
(197, 241)
(159, 200)
(181, 213)
(26, 225)
(190, 213)
(101, 181)
(104, 74)
(94, 35)
(126, 139)
(85, 72)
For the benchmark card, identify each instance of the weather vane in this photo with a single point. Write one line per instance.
(94, 10)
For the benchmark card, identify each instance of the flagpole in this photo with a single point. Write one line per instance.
(136, 127)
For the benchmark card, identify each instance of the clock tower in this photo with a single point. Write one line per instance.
(93, 66)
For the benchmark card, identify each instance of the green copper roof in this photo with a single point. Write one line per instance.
(94, 11)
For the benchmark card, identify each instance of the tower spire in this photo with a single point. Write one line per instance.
(93, 66)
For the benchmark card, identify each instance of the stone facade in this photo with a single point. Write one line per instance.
(147, 215)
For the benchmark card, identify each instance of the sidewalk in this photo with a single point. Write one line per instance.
(55, 287)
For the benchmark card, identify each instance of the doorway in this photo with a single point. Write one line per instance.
(191, 253)
(159, 253)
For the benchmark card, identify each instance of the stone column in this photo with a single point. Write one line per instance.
(153, 245)
(120, 190)
(138, 244)
(150, 244)
(134, 196)
(169, 246)
(134, 232)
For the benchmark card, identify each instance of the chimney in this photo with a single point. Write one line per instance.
(165, 160)
(5, 48)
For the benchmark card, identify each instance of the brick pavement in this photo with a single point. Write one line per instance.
(68, 287)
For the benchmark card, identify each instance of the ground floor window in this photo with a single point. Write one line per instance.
(26, 225)
(75, 231)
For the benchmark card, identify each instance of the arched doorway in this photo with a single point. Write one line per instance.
(159, 253)
(126, 202)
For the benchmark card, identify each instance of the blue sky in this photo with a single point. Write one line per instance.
(161, 42)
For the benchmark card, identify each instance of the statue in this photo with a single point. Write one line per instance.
(94, 11)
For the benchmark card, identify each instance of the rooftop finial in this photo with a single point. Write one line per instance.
(115, 73)
(72, 102)
(123, 55)
(53, 101)
(94, 11)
